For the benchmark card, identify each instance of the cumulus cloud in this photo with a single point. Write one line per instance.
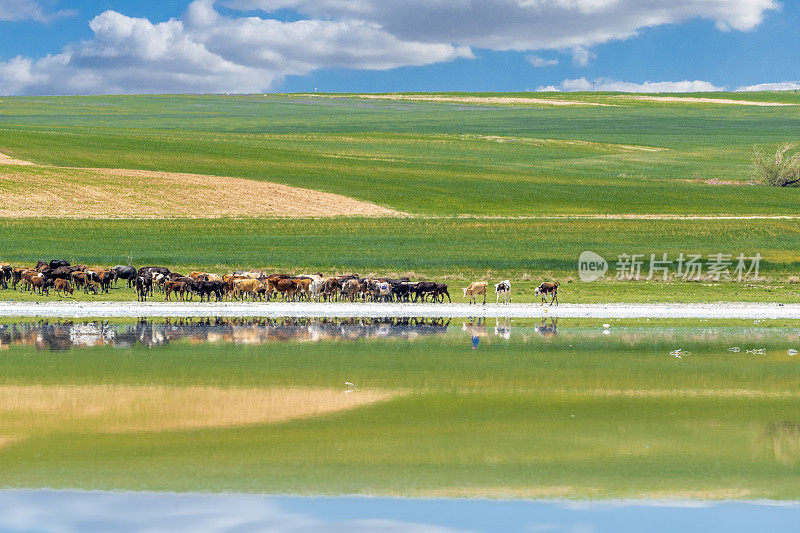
(523, 24)
(604, 84)
(780, 86)
(14, 10)
(205, 51)
(537, 61)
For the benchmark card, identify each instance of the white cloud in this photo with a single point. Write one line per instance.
(780, 86)
(207, 52)
(537, 61)
(604, 84)
(14, 10)
(582, 55)
(523, 24)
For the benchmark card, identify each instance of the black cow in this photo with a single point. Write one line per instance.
(154, 270)
(206, 288)
(441, 292)
(144, 284)
(55, 263)
(126, 272)
(423, 289)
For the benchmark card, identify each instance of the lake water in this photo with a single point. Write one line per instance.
(489, 425)
(99, 512)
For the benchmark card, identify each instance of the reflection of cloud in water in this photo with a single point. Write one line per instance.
(87, 512)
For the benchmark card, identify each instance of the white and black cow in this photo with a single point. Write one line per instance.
(503, 290)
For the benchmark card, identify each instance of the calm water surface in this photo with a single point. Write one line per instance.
(490, 425)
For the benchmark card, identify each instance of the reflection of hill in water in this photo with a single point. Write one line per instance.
(61, 336)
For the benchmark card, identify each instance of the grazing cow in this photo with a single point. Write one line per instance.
(178, 287)
(331, 289)
(61, 286)
(548, 287)
(41, 283)
(153, 270)
(126, 272)
(104, 278)
(475, 289)
(246, 286)
(63, 272)
(424, 288)
(441, 292)
(206, 288)
(5, 274)
(144, 285)
(282, 285)
(55, 263)
(352, 288)
(27, 276)
(303, 287)
(503, 290)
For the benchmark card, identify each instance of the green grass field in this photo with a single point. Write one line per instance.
(434, 160)
(427, 158)
(577, 415)
(456, 251)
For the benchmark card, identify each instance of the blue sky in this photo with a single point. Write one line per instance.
(148, 46)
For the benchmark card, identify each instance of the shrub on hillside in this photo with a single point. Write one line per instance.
(779, 170)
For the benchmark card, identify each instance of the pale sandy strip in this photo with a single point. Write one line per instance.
(503, 100)
(7, 160)
(123, 193)
(120, 408)
(696, 100)
(675, 393)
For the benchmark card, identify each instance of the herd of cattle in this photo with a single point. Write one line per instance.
(62, 277)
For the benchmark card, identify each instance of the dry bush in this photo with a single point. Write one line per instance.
(780, 170)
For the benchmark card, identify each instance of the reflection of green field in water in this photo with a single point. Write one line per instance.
(580, 414)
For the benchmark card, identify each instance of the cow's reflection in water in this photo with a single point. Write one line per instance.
(66, 335)
(502, 328)
(548, 330)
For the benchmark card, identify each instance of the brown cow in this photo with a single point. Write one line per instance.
(42, 284)
(282, 285)
(246, 286)
(61, 286)
(475, 289)
(548, 287)
(178, 287)
(303, 287)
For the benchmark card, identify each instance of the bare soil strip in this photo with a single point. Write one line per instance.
(696, 100)
(121, 408)
(123, 193)
(502, 100)
(748, 311)
(7, 160)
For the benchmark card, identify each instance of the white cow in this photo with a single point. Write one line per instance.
(503, 290)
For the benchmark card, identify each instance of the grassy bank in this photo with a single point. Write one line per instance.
(454, 250)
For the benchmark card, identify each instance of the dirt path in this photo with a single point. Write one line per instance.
(312, 309)
(124, 193)
(502, 100)
(696, 100)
